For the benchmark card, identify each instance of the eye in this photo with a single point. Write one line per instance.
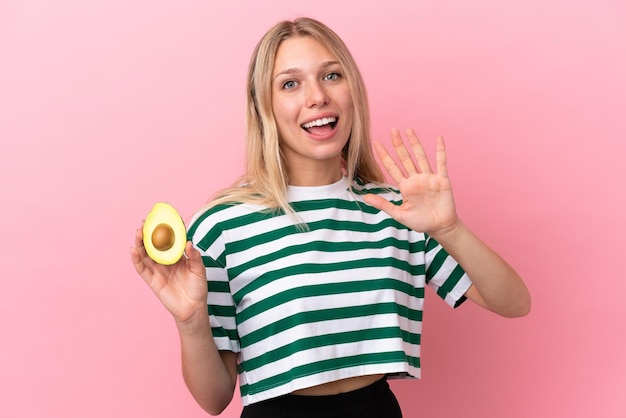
(290, 84)
(332, 76)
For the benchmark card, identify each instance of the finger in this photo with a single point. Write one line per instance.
(442, 159)
(143, 264)
(402, 152)
(143, 269)
(136, 259)
(381, 204)
(141, 249)
(138, 237)
(194, 258)
(418, 152)
(388, 162)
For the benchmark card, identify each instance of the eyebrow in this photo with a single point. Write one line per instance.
(297, 70)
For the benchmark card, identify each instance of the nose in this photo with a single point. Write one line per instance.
(316, 95)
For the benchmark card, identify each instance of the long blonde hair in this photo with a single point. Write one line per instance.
(266, 179)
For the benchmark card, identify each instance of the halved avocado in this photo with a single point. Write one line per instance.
(164, 234)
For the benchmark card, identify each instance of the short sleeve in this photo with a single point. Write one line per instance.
(220, 303)
(445, 275)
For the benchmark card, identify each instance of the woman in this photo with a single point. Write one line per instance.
(316, 270)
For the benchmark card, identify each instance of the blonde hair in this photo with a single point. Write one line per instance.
(266, 179)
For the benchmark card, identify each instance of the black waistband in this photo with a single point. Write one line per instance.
(298, 405)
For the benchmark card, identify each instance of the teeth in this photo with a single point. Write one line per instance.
(319, 122)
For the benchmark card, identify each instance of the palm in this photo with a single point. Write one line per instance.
(427, 199)
(181, 287)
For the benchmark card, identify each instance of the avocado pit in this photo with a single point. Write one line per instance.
(163, 237)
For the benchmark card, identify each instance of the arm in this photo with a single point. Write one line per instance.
(209, 374)
(496, 285)
(428, 206)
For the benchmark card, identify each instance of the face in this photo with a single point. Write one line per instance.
(313, 109)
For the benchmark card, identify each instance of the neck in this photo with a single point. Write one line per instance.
(312, 178)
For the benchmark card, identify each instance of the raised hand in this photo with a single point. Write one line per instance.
(181, 287)
(427, 199)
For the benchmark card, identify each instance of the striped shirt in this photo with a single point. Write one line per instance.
(341, 298)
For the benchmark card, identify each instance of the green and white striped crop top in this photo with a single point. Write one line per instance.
(342, 298)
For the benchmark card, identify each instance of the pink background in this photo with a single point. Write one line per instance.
(107, 106)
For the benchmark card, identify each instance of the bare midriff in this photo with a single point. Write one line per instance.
(340, 386)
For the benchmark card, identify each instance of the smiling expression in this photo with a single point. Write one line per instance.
(313, 110)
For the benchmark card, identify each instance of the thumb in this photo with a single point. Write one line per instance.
(380, 204)
(194, 258)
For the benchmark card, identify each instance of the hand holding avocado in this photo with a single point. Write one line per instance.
(179, 282)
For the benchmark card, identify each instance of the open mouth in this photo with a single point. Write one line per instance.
(320, 126)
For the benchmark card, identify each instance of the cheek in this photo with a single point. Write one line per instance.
(347, 104)
(284, 113)
(349, 113)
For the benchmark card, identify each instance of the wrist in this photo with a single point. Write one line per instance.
(448, 233)
(198, 321)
